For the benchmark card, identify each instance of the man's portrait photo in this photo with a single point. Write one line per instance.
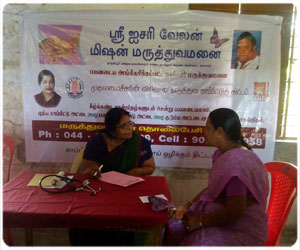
(246, 49)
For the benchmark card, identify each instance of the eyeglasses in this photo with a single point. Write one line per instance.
(126, 125)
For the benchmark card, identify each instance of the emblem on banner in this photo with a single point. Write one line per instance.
(74, 87)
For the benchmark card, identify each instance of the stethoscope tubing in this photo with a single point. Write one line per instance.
(63, 178)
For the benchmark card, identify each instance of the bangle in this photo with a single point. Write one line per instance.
(200, 224)
(189, 203)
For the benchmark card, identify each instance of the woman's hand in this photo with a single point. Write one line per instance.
(191, 222)
(92, 172)
(178, 213)
(147, 168)
(133, 171)
(91, 168)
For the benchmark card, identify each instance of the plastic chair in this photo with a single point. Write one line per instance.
(283, 193)
(8, 143)
(76, 165)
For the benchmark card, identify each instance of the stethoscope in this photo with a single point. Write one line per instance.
(71, 185)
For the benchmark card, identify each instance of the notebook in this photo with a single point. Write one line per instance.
(120, 179)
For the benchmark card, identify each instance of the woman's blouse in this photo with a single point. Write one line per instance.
(96, 150)
(53, 102)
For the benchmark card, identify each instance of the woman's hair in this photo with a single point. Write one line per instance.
(112, 118)
(229, 121)
(45, 72)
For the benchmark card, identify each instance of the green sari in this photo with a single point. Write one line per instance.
(124, 157)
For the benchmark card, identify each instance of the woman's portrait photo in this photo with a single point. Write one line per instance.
(48, 98)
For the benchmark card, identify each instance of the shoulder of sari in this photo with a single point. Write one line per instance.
(244, 164)
(234, 155)
(56, 96)
(125, 156)
(135, 144)
(39, 98)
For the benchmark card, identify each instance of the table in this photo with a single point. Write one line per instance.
(113, 207)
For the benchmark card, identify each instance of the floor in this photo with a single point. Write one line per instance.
(288, 237)
(59, 237)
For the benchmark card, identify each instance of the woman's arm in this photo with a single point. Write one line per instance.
(90, 167)
(195, 199)
(181, 209)
(234, 208)
(147, 168)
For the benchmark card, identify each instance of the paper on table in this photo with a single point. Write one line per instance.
(120, 179)
(35, 181)
(145, 199)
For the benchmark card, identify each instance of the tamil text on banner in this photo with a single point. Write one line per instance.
(168, 69)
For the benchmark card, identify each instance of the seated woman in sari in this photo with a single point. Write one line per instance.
(231, 210)
(118, 148)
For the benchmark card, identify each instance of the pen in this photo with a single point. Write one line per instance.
(99, 169)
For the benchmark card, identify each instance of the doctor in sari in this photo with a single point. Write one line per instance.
(231, 210)
(118, 148)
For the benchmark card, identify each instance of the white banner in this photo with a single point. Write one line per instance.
(168, 69)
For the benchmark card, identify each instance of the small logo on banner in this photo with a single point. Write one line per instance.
(261, 90)
(214, 39)
(74, 87)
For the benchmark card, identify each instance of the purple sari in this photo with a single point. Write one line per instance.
(249, 230)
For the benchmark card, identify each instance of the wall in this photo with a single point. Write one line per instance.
(183, 183)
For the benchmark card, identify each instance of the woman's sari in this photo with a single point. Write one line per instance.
(251, 229)
(121, 159)
(124, 157)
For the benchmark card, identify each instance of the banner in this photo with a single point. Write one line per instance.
(168, 69)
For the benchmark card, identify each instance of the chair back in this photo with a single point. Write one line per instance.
(283, 192)
(8, 143)
(76, 165)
